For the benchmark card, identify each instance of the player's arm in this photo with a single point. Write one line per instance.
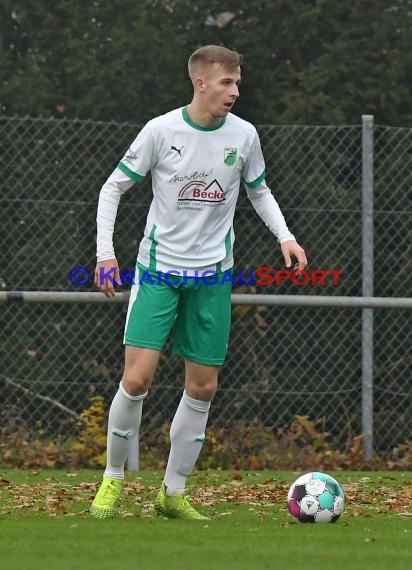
(132, 168)
(107, 273)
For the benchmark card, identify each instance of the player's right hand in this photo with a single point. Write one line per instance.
(106, 276)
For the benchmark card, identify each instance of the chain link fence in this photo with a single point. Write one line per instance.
(282, 361)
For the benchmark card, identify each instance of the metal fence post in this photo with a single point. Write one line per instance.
(367, 284)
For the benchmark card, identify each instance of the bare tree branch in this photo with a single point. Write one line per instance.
(44, 398)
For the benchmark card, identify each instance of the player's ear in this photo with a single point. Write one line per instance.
(200, 84)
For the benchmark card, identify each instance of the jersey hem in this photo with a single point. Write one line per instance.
(217, 267)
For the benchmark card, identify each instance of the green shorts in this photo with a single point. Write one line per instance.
(198, 308)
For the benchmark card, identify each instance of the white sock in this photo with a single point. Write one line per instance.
(187, 434)
(124, 422)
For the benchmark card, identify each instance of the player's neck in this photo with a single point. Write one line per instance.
(202, 117)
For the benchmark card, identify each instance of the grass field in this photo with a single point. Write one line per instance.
(44, 524)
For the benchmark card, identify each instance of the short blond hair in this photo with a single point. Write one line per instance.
(207, 55)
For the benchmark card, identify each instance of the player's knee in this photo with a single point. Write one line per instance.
(209, 392)
(204, 391)
(140, 367)
(135, 384)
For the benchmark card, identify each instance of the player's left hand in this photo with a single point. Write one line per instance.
(292, 249)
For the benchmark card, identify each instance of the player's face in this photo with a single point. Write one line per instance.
(220, 90)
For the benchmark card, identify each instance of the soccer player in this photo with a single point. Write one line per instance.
(198, 156)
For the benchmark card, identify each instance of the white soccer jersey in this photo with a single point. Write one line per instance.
(196, 175)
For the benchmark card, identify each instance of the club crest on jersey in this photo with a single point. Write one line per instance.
(230, 156)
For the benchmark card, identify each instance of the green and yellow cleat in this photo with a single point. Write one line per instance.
(105, 502)
(176, 506)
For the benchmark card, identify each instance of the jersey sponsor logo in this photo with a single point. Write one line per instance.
(130, 156)
(230, 156)
(178, 150)
(192, 176)
(197, 194)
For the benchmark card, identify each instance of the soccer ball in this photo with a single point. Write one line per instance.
(315, 498)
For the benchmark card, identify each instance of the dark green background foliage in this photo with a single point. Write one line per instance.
(313, 61)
